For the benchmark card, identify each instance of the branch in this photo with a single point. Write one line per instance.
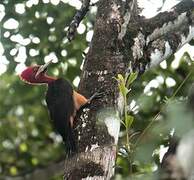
(156, 39)
(80, 14)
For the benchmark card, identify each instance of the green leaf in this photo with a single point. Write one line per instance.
(121, 78)
(34, 161)
(13, 170)
(128, 121)
(132, 77)
(23, 147)
(121, 85)
(123, 90)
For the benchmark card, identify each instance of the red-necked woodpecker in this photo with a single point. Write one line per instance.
(62, 101)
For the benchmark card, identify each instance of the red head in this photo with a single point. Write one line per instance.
(36, 74)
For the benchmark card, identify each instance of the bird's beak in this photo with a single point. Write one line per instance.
(42, 68)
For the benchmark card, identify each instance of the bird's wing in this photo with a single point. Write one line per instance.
(60, 103)
(79, 100)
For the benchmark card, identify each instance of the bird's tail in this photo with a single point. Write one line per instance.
(70, 142)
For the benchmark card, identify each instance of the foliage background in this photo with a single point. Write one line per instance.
(26, 137)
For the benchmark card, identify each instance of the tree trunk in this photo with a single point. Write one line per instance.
(123, 41)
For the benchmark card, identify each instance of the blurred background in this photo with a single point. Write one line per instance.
(34, 32)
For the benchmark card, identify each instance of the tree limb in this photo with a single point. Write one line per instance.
(156, 39)
(80, 14)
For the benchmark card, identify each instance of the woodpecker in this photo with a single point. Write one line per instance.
(62, 101)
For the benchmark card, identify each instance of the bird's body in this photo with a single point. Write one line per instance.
(60, 102)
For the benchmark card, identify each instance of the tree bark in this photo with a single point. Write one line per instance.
(123, 41)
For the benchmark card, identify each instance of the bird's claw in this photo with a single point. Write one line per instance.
(96, 95)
